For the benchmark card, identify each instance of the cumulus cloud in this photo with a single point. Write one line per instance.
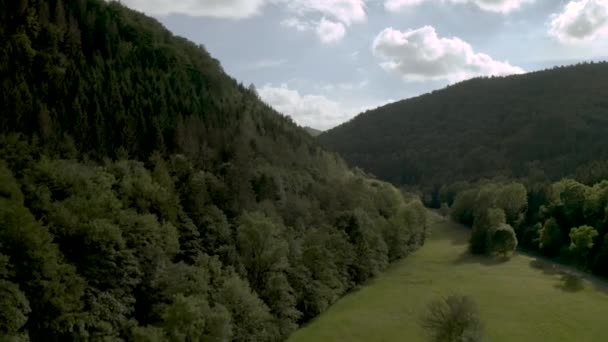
(502, 6)
(235, 9)
(315, 111)
(330, 31)
(341, 14)
(421, 55)
(583, 20)
(344, 11)
(397, 5)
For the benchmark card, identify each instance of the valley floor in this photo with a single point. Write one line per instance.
(526, 299)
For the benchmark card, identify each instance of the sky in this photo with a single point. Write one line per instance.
(324, 61)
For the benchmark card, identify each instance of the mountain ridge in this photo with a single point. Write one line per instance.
(547, 121)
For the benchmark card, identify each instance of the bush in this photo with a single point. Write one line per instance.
(502, 240)
(453, 319)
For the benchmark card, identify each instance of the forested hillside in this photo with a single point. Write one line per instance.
(147, 196)
(550, 123)
(312, 131)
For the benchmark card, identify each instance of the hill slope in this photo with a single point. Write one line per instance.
(145, 195)
(551, 121)
(312, 131)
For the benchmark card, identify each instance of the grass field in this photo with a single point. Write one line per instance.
(524, 299)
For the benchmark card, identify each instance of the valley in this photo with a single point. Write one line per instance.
(525, 299)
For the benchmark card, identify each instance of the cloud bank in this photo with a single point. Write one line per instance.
(583, 20)
(501, 6)
(344, 11)
(421, 55)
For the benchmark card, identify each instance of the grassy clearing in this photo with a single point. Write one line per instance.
(524, 299)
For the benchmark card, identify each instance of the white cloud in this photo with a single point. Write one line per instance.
(502, 6)
(583, 20)
(235, 9)
(421, 55)
(397, 5)
(330, 31)
(297, 24)
(345, 11)
(315, 111)
(342, 13)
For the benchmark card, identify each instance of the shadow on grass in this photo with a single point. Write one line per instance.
(570, 283)
(468, 258)
(570, 279)
(546, 267)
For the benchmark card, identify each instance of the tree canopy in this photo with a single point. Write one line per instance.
(147, 196)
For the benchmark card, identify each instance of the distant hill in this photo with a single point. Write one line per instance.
(312, 131)
(145, 195)
(553, 122)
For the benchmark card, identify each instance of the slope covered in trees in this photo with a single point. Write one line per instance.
(550, 122)
(147, 196)
(312, 131)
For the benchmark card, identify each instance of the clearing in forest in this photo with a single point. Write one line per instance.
(523, 299)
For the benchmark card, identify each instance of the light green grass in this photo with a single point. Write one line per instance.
(524, 299)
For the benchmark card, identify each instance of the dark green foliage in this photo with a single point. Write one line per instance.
(453, 319)
(14, 310)
(551, 122)
(502, 240)
(492, 209)
(406, 230)
(482, 235)
(570, 222)
(123, 259)
(550, 238)
(582, 241)
(464, 204)
(147, 196)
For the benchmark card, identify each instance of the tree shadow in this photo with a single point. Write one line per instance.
(570, 279)
(546, 267)
(467, 258)
(570, 283)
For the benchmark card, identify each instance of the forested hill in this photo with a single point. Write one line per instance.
(312, 131)
(147, 196)
(550, 122)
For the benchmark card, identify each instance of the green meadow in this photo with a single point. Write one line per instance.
(523, 299)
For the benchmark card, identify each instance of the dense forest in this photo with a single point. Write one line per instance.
(551, 123)
(312, 131)
(147, 196)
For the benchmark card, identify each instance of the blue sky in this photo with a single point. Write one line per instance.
(324, 61)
